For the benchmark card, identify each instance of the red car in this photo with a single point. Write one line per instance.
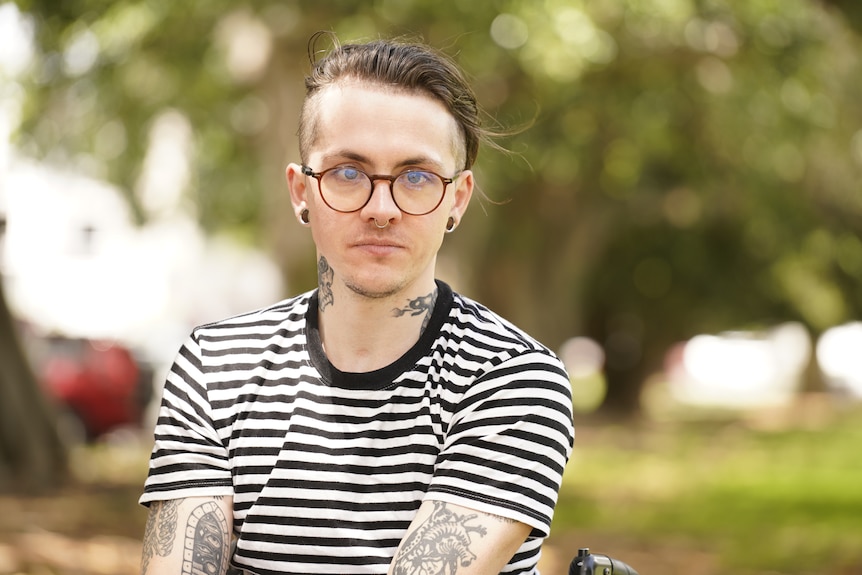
(97, 386)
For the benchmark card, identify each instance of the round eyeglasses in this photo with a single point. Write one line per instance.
(346, 189)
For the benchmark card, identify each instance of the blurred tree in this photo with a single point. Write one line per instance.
(31, 453)
(691, 166)
(685, 180)
(851, 9)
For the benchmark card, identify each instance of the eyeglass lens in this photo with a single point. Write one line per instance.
(414, 192)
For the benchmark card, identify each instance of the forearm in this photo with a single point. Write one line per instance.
(446, 538)
(186, 536)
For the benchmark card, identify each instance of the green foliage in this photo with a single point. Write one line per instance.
(689, 165)
(757, 499)
(108, 69)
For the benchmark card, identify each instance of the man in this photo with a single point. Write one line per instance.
(380, 423)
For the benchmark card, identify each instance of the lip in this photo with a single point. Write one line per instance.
(378, 246)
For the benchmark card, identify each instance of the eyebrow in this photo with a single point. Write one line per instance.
(357, 157)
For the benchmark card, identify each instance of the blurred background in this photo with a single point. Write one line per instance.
(680, 218)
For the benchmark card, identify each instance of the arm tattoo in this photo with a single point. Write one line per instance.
(418, 306)
(207, 545)
(440, 545)
(160, 531)
(324, 282)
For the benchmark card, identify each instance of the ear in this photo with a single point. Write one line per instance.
(297, 185)
(463, 193)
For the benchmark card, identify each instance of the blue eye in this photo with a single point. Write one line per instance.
(349, 174)
(416, 178)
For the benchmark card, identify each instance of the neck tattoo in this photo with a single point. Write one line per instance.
(324, 282)
(422, 305)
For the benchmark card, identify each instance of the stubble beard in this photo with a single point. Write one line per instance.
(365, 291)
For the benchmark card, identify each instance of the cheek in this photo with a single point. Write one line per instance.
(441, 214)
(435, 233)
(324, 228)
(315, 202)
(321, 214)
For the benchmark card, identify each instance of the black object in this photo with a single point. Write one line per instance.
(588, 564)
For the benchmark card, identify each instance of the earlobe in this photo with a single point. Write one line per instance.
(463, 193)
(451, 224)
(296, 185)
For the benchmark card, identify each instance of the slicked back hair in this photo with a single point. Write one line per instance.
(402, 66)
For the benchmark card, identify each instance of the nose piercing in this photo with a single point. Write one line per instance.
(379, 227)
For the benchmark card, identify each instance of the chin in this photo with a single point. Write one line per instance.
(375, 288)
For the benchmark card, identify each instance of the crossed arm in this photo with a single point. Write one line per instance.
(188, 536)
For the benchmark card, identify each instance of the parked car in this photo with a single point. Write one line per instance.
(97, 386)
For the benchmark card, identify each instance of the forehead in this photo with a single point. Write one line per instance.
(384, 124)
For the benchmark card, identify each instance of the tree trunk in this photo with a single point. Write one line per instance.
(289, 243)
(32, 455)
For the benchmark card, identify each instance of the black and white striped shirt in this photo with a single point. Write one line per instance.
(327, 468)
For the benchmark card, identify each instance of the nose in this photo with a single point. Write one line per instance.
(381, 205)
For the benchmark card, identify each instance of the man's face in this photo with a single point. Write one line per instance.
(380, 131)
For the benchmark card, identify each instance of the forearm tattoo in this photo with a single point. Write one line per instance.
(420, 305)
(324, 282)
(160, 531)
(440, 545)
(206, 550)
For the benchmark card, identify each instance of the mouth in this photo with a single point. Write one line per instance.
(381, 246)
(378, 240)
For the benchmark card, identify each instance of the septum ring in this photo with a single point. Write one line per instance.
(379, 227)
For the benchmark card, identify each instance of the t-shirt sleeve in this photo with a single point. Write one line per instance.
(188, 457)
(509, 441)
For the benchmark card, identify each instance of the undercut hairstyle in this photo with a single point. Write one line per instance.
(408, 67)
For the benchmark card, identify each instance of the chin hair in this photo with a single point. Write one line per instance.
(363, 291)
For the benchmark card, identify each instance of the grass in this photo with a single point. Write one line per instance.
(719, 496)
(779, 501)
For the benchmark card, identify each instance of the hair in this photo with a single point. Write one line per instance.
(411, 67)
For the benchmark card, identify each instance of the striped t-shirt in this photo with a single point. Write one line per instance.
(327, 468)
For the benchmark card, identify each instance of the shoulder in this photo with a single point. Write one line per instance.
(280, 317)
(492, 351)
(470, 316)
(280, 326)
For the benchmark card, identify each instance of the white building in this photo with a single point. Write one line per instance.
(73, 262)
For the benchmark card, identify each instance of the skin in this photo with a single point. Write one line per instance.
(188, 536)
(447, 539)
(383, 278)
(369, 272)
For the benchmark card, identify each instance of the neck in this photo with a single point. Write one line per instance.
(362, 333)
